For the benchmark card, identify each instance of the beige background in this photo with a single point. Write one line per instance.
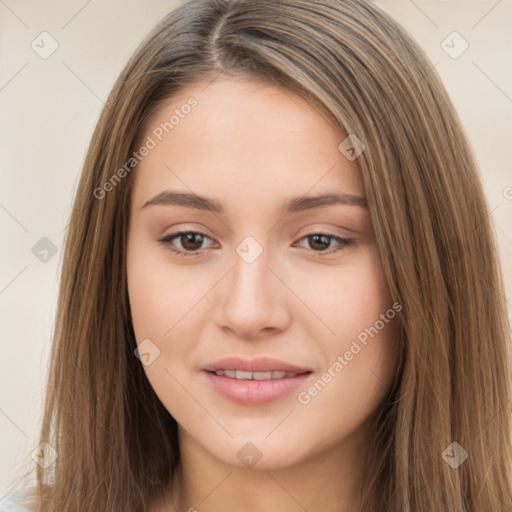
(48, 108)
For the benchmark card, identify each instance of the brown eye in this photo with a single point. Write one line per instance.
(318, 242)
(190, 241)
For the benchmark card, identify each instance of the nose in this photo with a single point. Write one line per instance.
(252, 299)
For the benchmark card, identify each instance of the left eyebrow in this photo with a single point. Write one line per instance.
(297, 204)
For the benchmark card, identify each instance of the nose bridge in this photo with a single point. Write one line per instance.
(250, 276)
(250, 300)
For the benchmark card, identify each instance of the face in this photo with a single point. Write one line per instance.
(265, 274)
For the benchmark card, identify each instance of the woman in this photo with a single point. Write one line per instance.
(280, 288)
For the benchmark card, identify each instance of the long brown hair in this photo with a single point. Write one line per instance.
(117, 445)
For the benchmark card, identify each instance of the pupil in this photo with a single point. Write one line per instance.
(191, 239)
(323, 244)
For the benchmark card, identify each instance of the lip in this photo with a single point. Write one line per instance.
(260, 364)
(254, 392)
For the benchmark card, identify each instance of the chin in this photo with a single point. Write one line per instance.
(258, 454)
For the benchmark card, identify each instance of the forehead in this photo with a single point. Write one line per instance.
(242, 137)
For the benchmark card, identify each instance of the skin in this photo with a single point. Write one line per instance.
(251, 146)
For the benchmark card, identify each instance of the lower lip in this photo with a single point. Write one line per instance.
(254, 392)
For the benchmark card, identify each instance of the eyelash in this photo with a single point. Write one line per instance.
(344, 242)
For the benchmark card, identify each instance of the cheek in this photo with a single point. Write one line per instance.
(159, 293)
(351, 386)
(351, 298)
(361, 358)
(160, 298)
(167, 309)
(355, 380)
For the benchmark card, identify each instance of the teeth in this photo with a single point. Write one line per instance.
(240, 374)
(243, 375)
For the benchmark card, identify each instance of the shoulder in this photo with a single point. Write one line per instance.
(20, 500)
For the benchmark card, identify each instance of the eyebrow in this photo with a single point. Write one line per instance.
(296, 204)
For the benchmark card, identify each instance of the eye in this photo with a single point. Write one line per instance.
(323, 240)
(191, 242)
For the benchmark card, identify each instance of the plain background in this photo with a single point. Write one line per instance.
(49, 108)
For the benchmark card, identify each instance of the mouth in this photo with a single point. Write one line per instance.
(255, 381)
(255, 388)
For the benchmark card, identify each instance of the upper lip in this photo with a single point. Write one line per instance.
(260, 364)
